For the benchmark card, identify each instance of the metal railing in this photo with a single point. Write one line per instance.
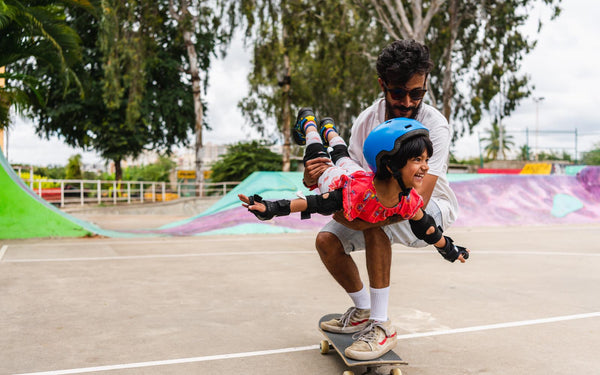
(115, 192)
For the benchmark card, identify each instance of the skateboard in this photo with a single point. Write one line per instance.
(340, 341)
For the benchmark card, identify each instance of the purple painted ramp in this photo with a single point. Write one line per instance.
(525, 200)
(589, 178)
(238, 216)
(490, 201)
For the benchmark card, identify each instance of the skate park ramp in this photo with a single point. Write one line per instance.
(484, 200)
(23, 214)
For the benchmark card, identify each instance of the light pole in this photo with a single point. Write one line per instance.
(537, 122)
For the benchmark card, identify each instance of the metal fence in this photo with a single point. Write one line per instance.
(115, 192)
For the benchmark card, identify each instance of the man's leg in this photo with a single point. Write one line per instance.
(378, 248)
(339, 264)
(379, 336)
(334, 245)
(379, 257)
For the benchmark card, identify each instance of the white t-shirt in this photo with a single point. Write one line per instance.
(440, 134)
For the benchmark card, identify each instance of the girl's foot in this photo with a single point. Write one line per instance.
(325, 127)
(306, 117)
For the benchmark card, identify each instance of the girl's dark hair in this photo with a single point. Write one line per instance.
(411, 148)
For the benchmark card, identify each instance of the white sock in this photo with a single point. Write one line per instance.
(335, 141)
(361, 298)
(313, 137)
(379, 304)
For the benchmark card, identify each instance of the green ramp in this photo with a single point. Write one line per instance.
(269, 185)
(23, 214)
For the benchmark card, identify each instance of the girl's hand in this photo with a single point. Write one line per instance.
(462, 258)
(260, 207)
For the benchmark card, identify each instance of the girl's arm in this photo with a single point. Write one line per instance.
(425, 228)
(324, 204)
(296, 205)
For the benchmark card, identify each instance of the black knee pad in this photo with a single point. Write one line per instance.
(313, 151)
(339, 151)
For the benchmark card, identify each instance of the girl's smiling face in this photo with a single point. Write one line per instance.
(415, 170)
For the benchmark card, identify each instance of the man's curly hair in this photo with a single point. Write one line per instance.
(400, 60)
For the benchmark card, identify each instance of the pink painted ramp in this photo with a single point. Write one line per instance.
(529, 200)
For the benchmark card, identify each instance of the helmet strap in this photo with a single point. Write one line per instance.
(398, 176)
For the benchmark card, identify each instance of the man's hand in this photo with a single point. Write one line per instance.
(314, 168)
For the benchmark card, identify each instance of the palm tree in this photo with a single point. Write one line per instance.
(33, 30)
(492, 149)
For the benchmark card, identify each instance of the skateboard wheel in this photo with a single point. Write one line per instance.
(348, 373)
(324, 347)
(396, 371)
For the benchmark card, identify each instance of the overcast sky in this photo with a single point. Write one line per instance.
(563, 68)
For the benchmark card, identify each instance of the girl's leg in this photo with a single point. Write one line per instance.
(340, 155)
(332, 173)
(306, 128)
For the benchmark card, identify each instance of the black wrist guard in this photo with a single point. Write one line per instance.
(451, 252)
(324, 204)
(274, 208)
(420, 228)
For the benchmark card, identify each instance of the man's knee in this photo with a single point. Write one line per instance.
(376, 237)
(327, 244)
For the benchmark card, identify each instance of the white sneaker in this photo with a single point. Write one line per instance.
(374, 341)
(353, 320)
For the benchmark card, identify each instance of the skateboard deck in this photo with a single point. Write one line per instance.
(340, 341)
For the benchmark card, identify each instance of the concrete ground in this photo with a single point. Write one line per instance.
(526, 302)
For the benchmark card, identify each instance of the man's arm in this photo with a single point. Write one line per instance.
(359, 224)
(426, 188)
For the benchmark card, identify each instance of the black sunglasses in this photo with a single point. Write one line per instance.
(399, 94)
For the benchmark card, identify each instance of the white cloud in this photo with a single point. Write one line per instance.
(26, 147)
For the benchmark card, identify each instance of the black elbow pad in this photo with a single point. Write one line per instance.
(420, 228)
(324, 204)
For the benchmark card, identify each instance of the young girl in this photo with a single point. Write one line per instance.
(397, 152)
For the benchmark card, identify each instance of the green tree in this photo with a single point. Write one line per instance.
(157, 171)
(592, 157)
(73, 170)
(476, 45)
(244, 158)
(524, 153)
(135, 97)
(307, 53)
(137, 93)
(498, 142)
(553, 155)
(202, 28)
(34, 31)
(322, 54)
(52, 172)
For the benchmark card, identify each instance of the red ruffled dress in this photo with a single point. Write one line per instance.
(361, 202)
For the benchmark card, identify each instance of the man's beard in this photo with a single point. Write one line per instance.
(395, 111)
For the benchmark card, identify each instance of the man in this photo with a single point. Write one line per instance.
(402, 68)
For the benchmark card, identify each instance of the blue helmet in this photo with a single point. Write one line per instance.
(387, 138)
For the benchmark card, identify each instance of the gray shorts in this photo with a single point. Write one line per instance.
(399, 233)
